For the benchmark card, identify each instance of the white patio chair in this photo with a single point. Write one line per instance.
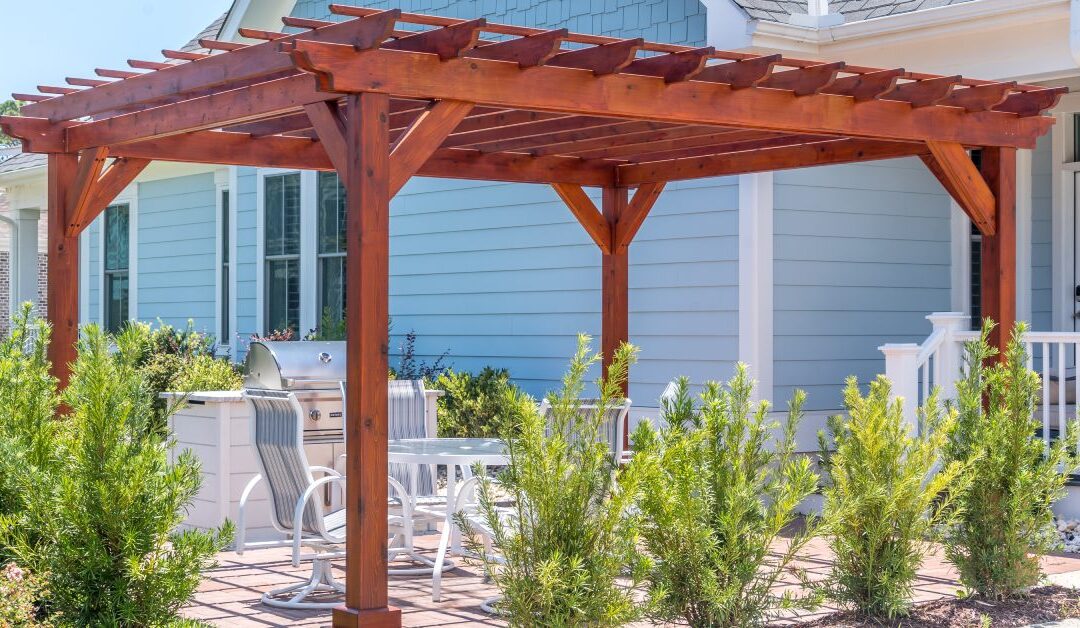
(465, 503)
(611, 428)
(277, 436)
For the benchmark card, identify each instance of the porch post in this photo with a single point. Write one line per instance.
(998, 167)
(367, 293)
(63, 269)
(615, 266)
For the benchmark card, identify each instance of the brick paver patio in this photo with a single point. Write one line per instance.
(229, 594)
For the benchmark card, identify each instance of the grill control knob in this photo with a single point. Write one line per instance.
(325, 357)
(314, 414)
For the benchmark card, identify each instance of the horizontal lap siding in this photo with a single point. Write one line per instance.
(177, 244)
(93, 274)
(502, 275)
(1041, 235)
(862, 255)
(247, 299)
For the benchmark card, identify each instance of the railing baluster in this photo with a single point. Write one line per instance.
(1045, 346)
(925, 382)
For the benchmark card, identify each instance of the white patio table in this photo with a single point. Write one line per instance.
(454, 453)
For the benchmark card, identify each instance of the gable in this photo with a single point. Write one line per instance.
(852, 10)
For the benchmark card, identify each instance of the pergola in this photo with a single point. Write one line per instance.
(384, 96)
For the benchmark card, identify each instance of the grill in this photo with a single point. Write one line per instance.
(313, 371)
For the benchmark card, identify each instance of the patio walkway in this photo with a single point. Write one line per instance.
(229, 594)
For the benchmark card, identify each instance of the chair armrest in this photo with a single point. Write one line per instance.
(241, 519)
(298, 513)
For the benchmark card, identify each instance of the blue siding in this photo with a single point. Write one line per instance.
(862, 255)
(1041, 235)
(94, 272)
(177, 251)
(247, 300)
(675, 21)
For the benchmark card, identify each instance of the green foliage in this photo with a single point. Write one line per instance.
(204, 372)
(330, 328)
(884, 497)
(9, 108)
(1005, 522)
(566, 540)
(476, 406)
(99, 523)
(411, 367)
(717, 494)
(19, 595)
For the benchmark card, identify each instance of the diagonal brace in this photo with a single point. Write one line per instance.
(950, 163)
(93, 189)
(423, 137)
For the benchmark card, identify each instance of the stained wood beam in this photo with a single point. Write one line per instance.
(490, 126)
(257, 33)
(85, 82)
(665, 140)
(117, 74)
(91, 163)
(673, 67)
(804, 81)
(631, 219)
(615, 291)
(499, 138)
(421, 140)
(740, 74)
(63, 268)
(447, 42)
(330, 126)
(720, 147)
(1032, 103)
(121, 172)
(183, 55)
(691, 102)
(925, 92)
(998, 273)
(952, 165)
(863, 87)
(30, 98)
(53, 89)
(979, 97)
(782, 158)
(142, 64)
(603, 59)
(587, 214)
(527, 52)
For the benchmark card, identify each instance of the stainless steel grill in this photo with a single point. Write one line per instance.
(313, 371)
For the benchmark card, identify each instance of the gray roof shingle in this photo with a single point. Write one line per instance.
(212, 31)
(22, 161)
(852, 10)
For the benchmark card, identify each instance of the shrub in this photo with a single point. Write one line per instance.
(567, 539)
(204, 372)
(161, 353)
(883, 499)
(1005, 518)
(717, 494)
(330, 328)
(411, 367)
(476, 406)
(19, 595)
(100, 526)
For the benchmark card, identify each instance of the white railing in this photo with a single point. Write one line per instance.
(916, 369)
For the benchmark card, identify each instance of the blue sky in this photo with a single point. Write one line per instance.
(44, 41)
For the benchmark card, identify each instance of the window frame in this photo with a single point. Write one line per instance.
(266, 258)
(320, 255)
(108, 274)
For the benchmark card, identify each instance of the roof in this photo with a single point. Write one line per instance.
(22, 161)
(852, 10)
(212, 31)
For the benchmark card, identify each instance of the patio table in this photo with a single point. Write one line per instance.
(454, 453)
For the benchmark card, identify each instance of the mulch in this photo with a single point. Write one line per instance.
(1043, 604)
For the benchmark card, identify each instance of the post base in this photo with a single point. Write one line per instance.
(386, 617)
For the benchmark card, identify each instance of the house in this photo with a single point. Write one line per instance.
(802, 274)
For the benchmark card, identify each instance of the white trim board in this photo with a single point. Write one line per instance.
(130, 197)
(756, 279)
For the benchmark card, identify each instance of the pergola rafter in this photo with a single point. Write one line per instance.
(383, 96)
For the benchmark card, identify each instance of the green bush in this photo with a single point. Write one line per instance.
(884, 497)
(204, 372)
(567, 539)
(1005, 521)
(98, 524)
(476, 406)
(20, 593)
(718, 491)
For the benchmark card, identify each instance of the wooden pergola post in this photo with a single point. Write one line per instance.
(998, 167)
(615, 283)
(367, 184)
(63, 269)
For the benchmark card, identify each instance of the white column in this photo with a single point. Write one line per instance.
(1023, 234)
(756, 279)
(950, 355)
(901, 367)
(818, 7)
(24, 273)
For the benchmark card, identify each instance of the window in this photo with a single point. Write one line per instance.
(282, 251)
(975, 271)
(115, 275)
(331, 247)
(223, 338)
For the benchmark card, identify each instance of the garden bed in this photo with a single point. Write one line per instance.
(1044, 604)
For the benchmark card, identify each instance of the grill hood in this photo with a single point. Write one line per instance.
(294, 365)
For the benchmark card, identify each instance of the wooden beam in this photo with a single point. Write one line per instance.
(782, 158)
(116, 74)
(952, 166)
(330, 127)
(1032, 103)
(998, 275)
(634, 215)
(499, 84)
(63, 269)
(630, 145)
(925, 92)
(587, 214)
(735, 147)
(447, 42)
(420, 140)
(91, 163)
(527, 52)
(863, 87)
(122, 171)
(673, 67)
(979, 97)
(615, 290)
(603, 59)
(740, 74)
(804, 81)
(367, 287)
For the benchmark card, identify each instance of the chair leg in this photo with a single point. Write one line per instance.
(322, 579)
(440, 558)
